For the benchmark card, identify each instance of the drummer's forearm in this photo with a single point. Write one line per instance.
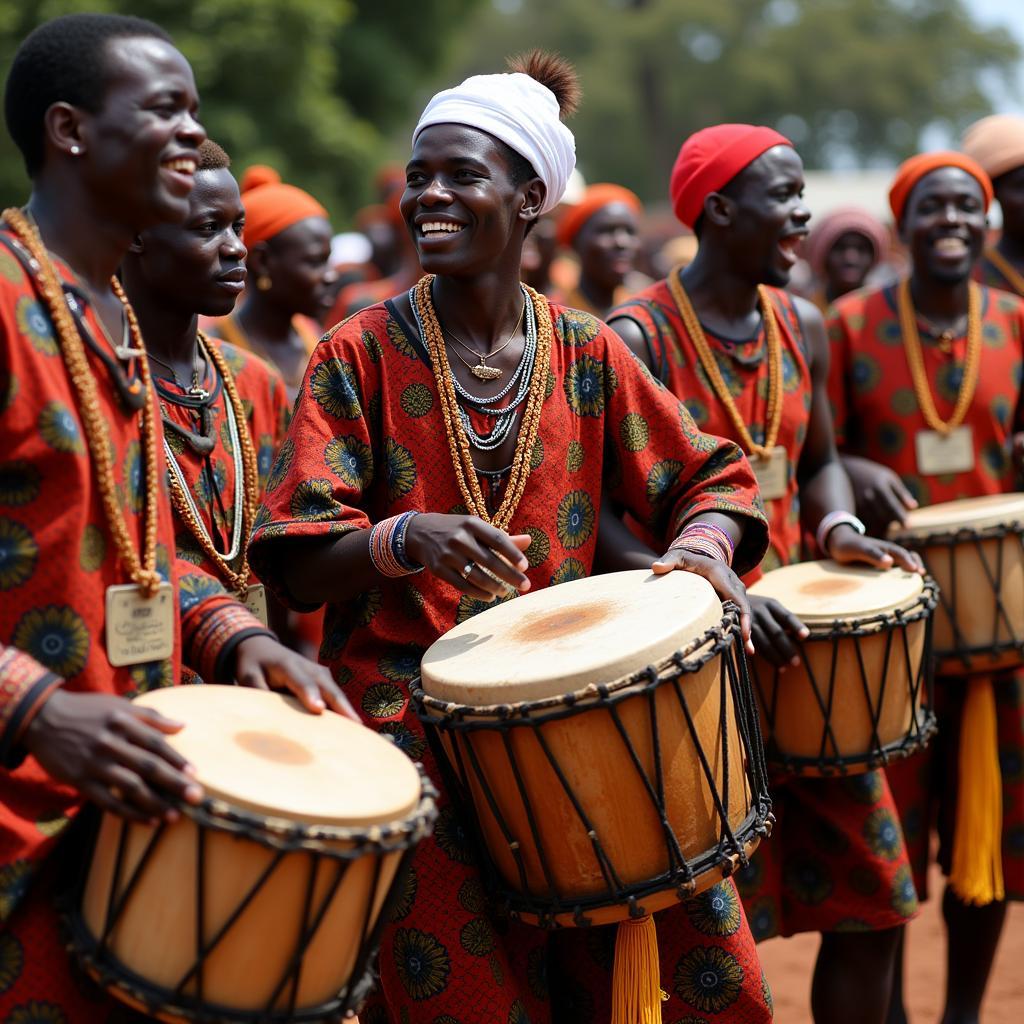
(829, 490)
(329, 570)
(618, 548)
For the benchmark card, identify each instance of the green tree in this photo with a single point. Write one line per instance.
(312, 87)
(848, 80)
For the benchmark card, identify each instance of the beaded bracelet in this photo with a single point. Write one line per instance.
(387, 546)
(705, 539)
(831, 521)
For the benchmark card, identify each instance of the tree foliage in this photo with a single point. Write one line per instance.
(850, 81)
(312, 87)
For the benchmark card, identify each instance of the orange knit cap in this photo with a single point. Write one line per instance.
(271, 206)
(911, 171)
(595, 198)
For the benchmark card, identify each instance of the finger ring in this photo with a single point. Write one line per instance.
(467, 570)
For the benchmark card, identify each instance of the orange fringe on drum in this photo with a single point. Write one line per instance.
(636, 990)
(977, 870)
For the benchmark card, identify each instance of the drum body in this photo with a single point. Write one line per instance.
(620, 796)
(859, 698)
(975, 551)
(236, 914)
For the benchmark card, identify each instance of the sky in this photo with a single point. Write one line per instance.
(1009, 14)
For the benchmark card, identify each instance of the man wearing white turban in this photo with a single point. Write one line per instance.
(470, 429)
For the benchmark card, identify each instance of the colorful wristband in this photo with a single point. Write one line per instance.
(387, 546)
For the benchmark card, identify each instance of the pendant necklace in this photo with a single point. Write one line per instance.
(481, 370)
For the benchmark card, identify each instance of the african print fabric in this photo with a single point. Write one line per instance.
(57, 558)
(818, 827)
(367, 442)
(877, 416)
(744, 369)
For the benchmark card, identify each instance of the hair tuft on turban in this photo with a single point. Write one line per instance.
(911, 171)
(519, 111)
(709, 159)
(594, 199)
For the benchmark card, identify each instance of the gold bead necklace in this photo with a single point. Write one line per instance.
(714, 372)
(237, 581)
(915, 359)
(458, 443)
(141, 571)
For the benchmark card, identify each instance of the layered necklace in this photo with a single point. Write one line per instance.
(141, 567)
(243, 456)
(531, 378)
(915, 359)
(714, 372)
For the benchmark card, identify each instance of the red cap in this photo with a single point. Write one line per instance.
(711, 158)
(911, 171)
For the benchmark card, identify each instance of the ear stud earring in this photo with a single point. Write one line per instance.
(76, 150)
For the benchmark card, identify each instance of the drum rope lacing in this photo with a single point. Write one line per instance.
(915, 359)
(773, 341)
(731, 849)
(924, 724)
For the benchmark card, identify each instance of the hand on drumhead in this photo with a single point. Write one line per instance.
(847, 546)
(726, 583)
(775, 628)
(473, 556)
(882, 497)
(113, 753)
(265, 664)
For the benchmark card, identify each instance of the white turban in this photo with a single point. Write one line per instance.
(522, 113)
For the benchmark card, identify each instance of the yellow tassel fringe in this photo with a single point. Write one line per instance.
(636, 987)
(977, 869)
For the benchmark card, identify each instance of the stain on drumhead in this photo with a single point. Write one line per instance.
(832, 586)
(561, 622)
(272, 747)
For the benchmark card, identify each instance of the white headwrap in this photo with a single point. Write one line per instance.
(522, 113)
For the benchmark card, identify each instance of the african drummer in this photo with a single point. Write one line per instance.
(471, 425)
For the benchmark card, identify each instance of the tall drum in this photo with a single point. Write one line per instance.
(263, 904)
(604, 734)
(974, 549)
(859, 696)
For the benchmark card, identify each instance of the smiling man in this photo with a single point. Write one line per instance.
(751, 363)
(940, 340)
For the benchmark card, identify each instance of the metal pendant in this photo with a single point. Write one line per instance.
(484, 372)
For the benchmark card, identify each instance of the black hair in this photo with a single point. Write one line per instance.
(212, 157)
(63, 60)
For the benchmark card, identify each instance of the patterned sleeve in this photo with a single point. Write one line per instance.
(326, 465)
(838, 373)
(213, 623)
(24, 687)
(663, 469)
(1018, 421)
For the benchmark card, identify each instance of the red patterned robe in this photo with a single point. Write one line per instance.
(367, 441)
(57, 558)
(877, 416)
(836, 858)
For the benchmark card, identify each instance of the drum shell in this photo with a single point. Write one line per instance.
(242, 972)
(964, 569)
(509, 767)
(794, 722)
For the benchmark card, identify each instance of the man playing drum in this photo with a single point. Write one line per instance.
(926, 383)
(751, 363)
(417, 486)
(95, 606)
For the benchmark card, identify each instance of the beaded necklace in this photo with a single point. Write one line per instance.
(141, 570)
(915, 359)
(1012, 275)
(246, 482)
(714, 373)
(458, 443)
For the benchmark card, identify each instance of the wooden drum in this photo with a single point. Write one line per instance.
(861, 694)
(604, 733)
(263, 904)
(975, 550)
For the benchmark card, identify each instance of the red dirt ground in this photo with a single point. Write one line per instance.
(788, 964)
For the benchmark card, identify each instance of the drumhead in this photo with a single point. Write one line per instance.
(260, 751)
(562, 639)
(819, 592)
(975, 513)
